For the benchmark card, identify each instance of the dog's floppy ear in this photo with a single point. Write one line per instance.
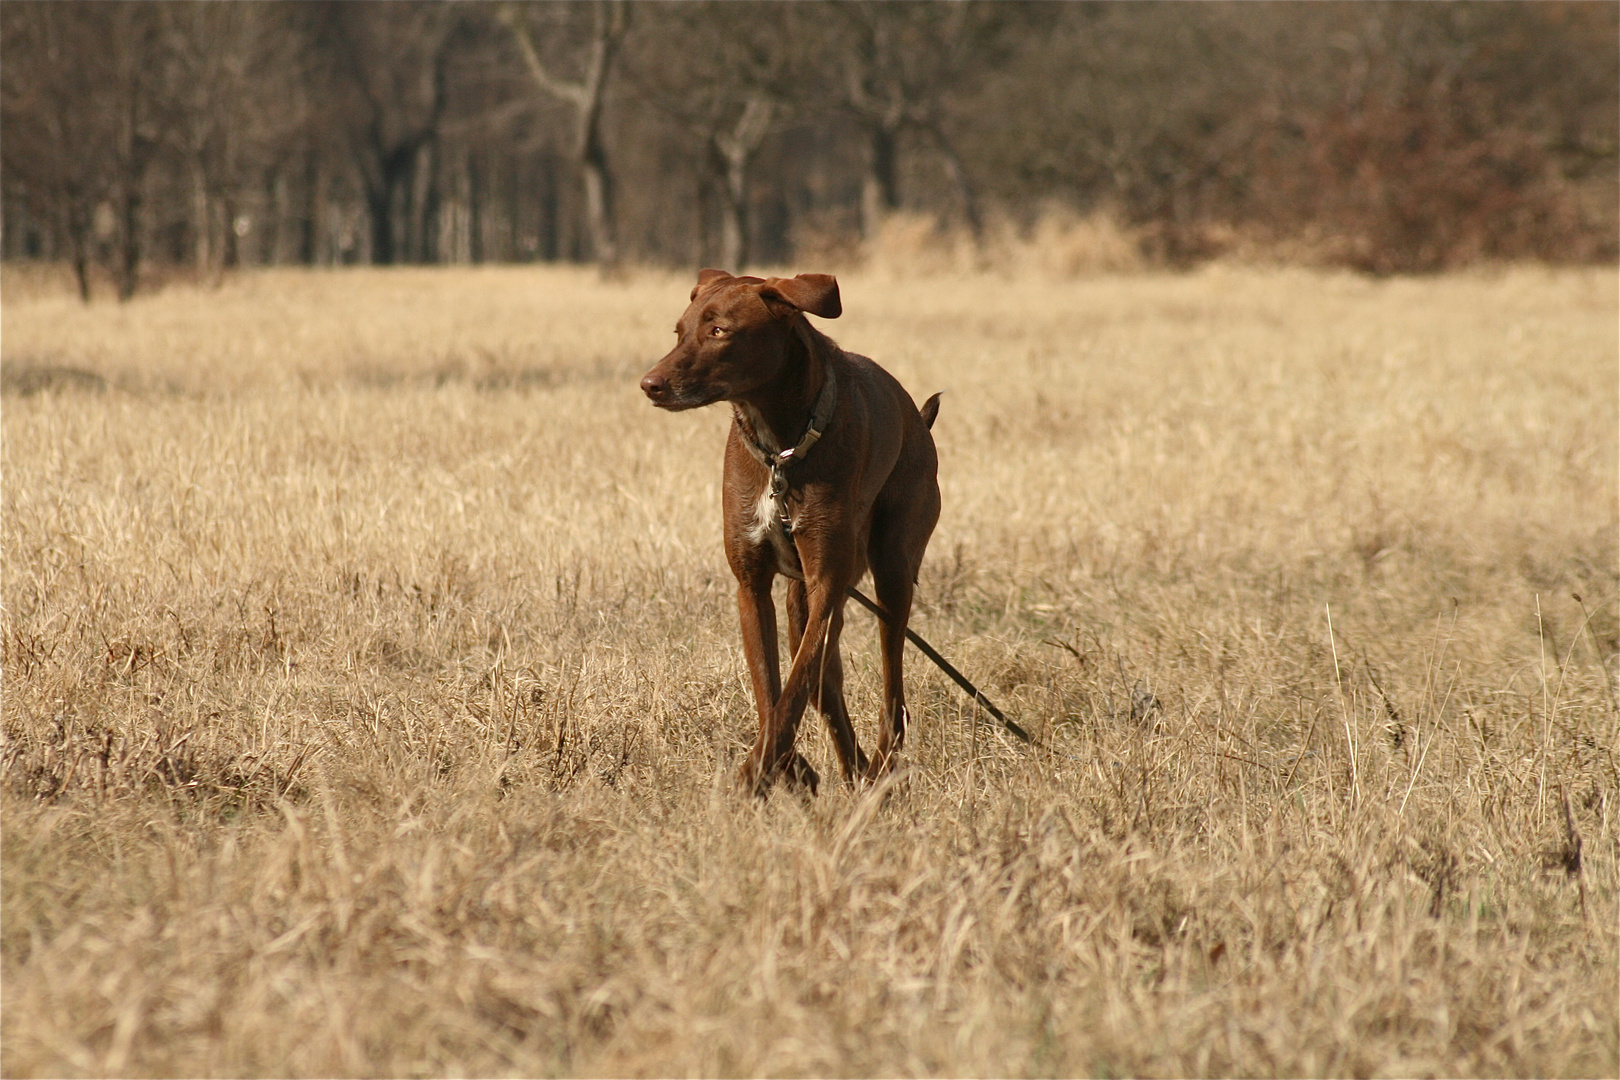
(706, 277)
(816, 294)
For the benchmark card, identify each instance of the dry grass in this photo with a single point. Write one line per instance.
(1058, 243)
(371, 689)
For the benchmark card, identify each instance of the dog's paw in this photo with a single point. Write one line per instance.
(862, 771)
(752, 780)
(792, 771)
(882, 764)
(798, 773)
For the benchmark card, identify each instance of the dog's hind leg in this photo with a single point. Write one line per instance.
(900, 530)
(892, 584)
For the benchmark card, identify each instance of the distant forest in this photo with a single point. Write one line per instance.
(1393, 137)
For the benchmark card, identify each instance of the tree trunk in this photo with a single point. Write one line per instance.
(965, 193)
(880, 193)
(231, 249)
(425, 203)
(511, 181)
(475, 209)
(78, 230)
(378, 203)
(733, 223)
(275, 248)
(550, 225)
(129, 241)
(734, 153)
(201, 223)
(309, 248)
(611, 23)
(388, 203)
(731, 176)
(599, 205)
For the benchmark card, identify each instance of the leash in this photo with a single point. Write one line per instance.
(777, 462)
(944, 665)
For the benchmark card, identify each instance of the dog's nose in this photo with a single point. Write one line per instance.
(655, 386)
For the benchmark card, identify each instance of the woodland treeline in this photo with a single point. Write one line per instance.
(1391, 137)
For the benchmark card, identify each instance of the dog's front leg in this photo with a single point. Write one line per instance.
(828, 696)
(757, 614)
(774, 753)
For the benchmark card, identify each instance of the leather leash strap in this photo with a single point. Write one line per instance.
(944, 665)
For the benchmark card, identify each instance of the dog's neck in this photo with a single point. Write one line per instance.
(779, 412)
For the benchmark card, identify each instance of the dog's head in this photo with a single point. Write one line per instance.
(734, 336)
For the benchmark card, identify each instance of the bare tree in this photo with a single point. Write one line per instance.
(388, 61)
(725, 73)
(82, 107)
(135, 45)
(595, 56)
(237, 104)
(1452, 133)
(1389, 136)
(900, 62)
(734, 148)
(1148, 112)
(51, 142)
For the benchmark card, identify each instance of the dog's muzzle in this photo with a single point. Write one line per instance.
(666, 395)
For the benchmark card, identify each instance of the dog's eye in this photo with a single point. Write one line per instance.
(718, 331)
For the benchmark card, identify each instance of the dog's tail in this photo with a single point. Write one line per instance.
(930, 409)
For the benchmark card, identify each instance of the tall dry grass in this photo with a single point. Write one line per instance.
(371, 688)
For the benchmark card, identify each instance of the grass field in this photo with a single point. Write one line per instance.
(372, 688)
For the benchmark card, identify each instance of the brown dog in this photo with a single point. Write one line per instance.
(830, 470)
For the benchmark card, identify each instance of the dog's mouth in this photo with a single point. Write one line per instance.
(692, 398)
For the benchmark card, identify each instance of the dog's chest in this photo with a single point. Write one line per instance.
(770, 523)
(770, 530)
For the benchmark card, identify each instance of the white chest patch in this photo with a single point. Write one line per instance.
(765, 515)
(767, 528)
(767, 525)
(765, 518)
